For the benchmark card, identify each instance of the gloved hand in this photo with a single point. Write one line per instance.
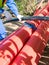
(19, 17)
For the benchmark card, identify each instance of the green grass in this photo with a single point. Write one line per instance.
(26, 7)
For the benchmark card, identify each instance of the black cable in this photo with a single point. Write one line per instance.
(45, 18)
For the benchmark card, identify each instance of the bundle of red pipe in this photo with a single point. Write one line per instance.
(25, 46)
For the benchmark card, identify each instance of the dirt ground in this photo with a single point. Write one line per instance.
(12, 26)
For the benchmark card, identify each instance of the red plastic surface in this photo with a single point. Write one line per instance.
(31, 52)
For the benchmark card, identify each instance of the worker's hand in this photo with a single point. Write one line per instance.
(19, 17)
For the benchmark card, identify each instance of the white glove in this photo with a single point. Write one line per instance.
(19, 17)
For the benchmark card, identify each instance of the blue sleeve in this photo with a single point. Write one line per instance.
(12, 5)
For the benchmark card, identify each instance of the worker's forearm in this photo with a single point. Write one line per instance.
(12, 5)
